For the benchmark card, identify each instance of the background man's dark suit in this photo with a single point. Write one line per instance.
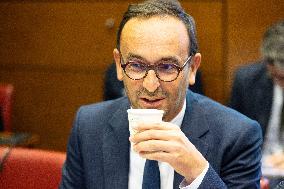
(252, 93)
(98, 150)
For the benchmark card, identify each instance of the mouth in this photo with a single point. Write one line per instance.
(151, 103)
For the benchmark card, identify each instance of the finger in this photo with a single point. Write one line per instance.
(158, 156)
(165, 135)
(156, 145)
(156, 126)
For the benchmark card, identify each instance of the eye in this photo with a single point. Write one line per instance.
(167, 68)
(136, 67)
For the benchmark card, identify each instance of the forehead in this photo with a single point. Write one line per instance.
(164, 35)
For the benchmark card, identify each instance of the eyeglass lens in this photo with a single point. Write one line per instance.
(164, 71)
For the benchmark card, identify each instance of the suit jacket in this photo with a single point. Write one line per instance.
(98, 148)
(252, 93)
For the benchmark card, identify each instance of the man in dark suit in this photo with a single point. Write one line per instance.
(258, 92)
(199, 144)
(252, 92)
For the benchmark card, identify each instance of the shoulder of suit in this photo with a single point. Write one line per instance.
(253, 71)
(253, 68)
(216, 112)
(106, 107)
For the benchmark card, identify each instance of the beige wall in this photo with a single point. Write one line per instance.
(55, 53)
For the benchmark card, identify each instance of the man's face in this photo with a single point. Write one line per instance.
(152, 40)
(277, 74)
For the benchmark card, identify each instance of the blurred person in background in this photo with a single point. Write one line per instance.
(257, 92)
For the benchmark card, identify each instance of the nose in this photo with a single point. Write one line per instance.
(151, 82)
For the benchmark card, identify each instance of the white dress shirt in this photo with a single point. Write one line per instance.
(272, 143)
(137, 163)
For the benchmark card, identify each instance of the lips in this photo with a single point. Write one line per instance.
(153, 103)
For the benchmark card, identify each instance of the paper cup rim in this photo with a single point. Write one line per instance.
(145, 111)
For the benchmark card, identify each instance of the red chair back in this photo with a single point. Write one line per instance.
(264, 183)
(6, 92)
(30, 168)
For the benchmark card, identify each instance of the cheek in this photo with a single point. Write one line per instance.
(178, 91)
(131, 87)
(182, 88)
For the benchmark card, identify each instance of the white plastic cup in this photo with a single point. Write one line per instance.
(136, 116)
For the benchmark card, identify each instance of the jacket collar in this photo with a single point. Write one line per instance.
(195, 127)
(263, 96)
(116, 148)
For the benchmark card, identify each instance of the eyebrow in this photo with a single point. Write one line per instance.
(132, 56)
(135, 56)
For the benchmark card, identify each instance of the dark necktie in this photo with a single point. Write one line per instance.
(151, 176)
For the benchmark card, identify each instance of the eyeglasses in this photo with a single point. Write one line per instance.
(166, 71)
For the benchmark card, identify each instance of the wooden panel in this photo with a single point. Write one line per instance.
(215, 86)
(247, 21)
(55, 53)
(208, 17)
(58, 33)
(45, 102)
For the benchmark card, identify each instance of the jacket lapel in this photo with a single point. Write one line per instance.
(195, 127)
(264, 95)
(116, 150)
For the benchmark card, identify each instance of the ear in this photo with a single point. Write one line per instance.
(119, 70)
(196, 60)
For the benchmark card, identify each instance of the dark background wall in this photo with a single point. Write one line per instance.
(55, 53)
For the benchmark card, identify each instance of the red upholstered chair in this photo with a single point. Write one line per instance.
(26, 168)
(264, 183)
(6, 92)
